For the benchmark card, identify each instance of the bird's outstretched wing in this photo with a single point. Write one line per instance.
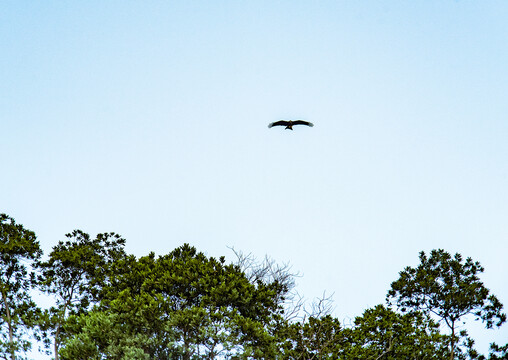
(302, 122)
(279, 123)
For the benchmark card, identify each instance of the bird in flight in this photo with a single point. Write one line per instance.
(289, 124)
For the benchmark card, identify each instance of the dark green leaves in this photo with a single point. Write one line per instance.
(382, 333)
(18, 249)
(449, 288)
(75, 273)
(186, 303)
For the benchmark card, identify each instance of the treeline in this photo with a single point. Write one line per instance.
(108, 304)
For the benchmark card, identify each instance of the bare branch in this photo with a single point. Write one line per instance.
(321, 306)
(268, 271)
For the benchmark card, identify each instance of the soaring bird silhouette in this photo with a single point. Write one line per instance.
(289, 124)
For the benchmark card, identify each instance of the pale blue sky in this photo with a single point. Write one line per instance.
(150, 118)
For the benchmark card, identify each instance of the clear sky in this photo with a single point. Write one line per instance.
(149, 119)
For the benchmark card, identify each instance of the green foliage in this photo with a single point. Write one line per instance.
(18, 249)
(312, 338)
(449, 288)
(382, 333)
(76, 271)
(498, 352)
(102, 335)
(189, 306)
(186, 305)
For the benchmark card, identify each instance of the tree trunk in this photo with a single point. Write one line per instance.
(9, 323)
(452, 343)
(59, 326)
(186, 351)
(57, 332)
